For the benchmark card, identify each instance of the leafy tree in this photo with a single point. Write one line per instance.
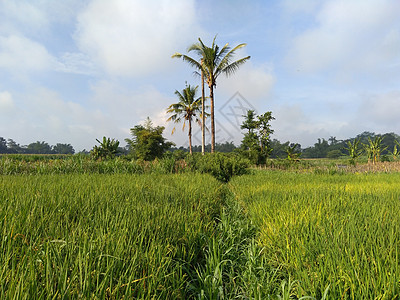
(256, 141)
(147, 141)
(319, 150)
(39, 148)
(334, 153)
(250, 140)
(3, 145)
(63, 149)
(13, 147)
(265, 131)
(186, 109)
(108, 148)
(214, 61)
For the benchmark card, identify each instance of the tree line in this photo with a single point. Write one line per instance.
(148, 143)
(9, 146)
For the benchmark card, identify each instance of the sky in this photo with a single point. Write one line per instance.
(73, 71)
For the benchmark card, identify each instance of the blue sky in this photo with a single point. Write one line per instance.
(72, 71)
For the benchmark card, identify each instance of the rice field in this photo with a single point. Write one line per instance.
(333, 235)
(103, 236)
(80, 230)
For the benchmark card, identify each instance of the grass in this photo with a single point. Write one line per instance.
(337, 233)
(77, 228)
(103, 236)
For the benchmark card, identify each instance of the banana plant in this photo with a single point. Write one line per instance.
(108, 148)
(292, 152)
(354, 150)
(396, 151)
(374, 148)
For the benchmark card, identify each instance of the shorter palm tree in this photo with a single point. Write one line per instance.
(187, 109)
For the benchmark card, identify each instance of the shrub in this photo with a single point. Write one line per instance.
(221, 166)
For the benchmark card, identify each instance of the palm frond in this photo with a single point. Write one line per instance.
(226, 60)
(233, 67)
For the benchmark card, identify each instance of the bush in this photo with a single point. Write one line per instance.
(334, 154)
(221, 166)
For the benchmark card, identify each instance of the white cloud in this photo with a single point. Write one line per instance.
(350, 37)
(253, 82)
(19, 54)
(129, 37)
(77, 63)
(6, 102)
(34, 18)
(382, 110)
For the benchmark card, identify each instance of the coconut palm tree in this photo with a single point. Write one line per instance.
(186, 109)
(214, 61)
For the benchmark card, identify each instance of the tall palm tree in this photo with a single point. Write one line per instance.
(213, 62)
(186, 109)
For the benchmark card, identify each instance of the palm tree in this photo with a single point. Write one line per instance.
(186, 109)
(213, 62)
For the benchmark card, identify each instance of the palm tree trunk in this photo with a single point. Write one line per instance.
(203, 117)
(212, 118)
(190, 137)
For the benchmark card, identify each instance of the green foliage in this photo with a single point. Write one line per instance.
(107, 149)
(332, 234)
(39, 147)
(374, 148)
(212, 62)
(256, 144)
(221, 166)
(396, 151)
(293, 152)
(334, 153)
(148, 142)
(186, 109)
(354, 150)
(63, 149)
(104, 236)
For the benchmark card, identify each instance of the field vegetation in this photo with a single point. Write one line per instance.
(173, 228)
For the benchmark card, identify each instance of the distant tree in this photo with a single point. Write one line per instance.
(279, 149)
(250, 140)
(3, 145)
(63, 149)
(319, 150)
(256, 143)
(13, 147)
(332, 140)
(265, 132)
(147, 141)
(39, 148)
(187, 109)
(334, 153)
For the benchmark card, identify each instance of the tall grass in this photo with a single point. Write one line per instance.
(103, 236)
(338, 234)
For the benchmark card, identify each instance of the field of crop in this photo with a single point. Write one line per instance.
(75, 228)
(338, 234)
(103, 236)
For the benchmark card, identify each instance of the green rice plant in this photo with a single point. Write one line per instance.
(336, 236)
(103, 236)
